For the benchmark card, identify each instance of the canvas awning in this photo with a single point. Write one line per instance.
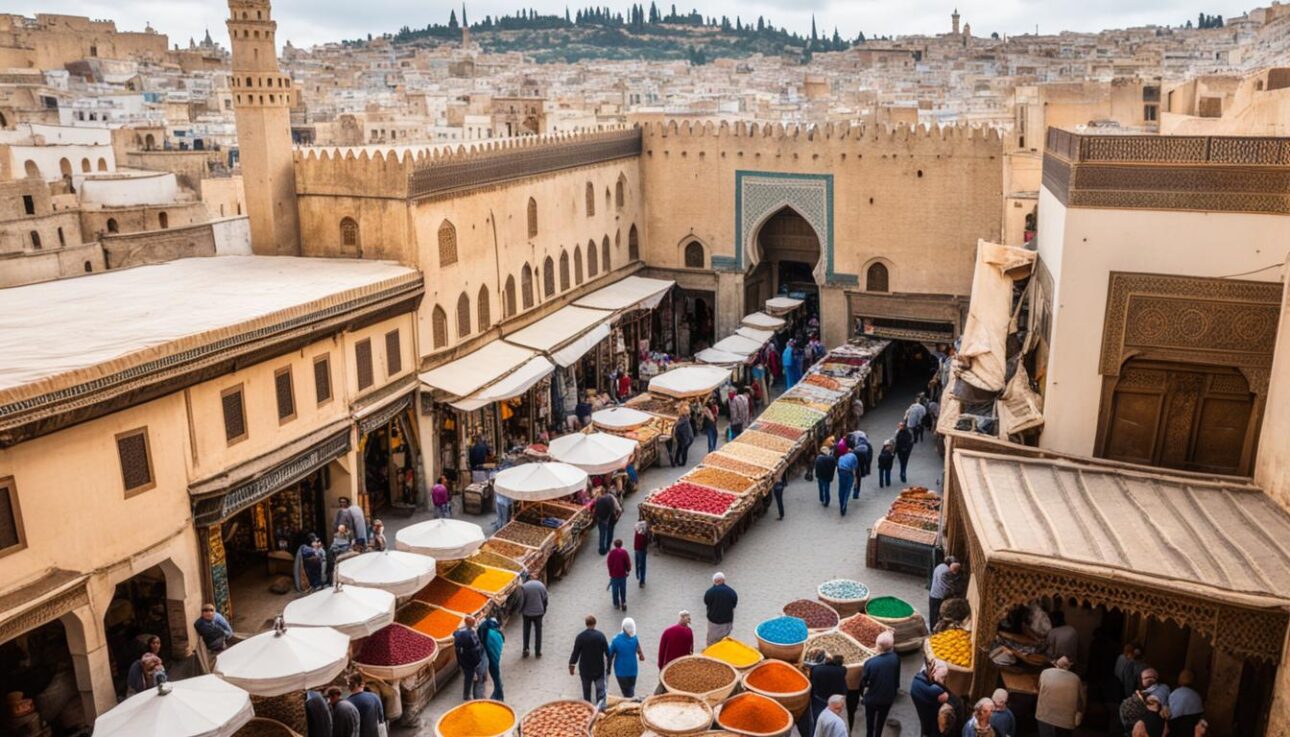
(983, 349)
(512, 385)
(555, 330)
(578, 347)
(474, 371)
(782, 305)
(738, 344)
(631, 293)
(689, 381)
(763, 321)
(718, 357)
(757, 334)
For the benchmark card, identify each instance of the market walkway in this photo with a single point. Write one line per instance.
(774, 563)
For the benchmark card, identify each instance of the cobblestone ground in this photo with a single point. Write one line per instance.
(772, 564)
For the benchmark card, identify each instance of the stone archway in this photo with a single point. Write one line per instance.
(785, 252)
(761, 195)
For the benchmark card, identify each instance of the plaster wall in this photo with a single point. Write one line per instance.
(137, 188)
(49, 160)
(1272, 474)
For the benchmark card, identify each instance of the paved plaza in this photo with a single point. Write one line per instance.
(772, 564)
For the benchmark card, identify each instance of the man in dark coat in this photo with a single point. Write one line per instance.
(590, 657)
(344, 715)
(470, 656)
(371, 711)
(317, 715)
(879, 681)
(904, 446)
(825, 466)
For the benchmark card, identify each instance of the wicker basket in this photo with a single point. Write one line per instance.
(768, 702)
(712, 696)
(909, 631)
(786, 653)
(527, 732)
(508, 731)
(844, 607)
(958, 679)
(626, 710)
(649, 714)
(264, 727)
(796, 702)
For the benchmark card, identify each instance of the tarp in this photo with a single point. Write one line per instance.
(689, 381)
(203, 706)
(620, 418)
(276, 662)
(536, 482)
(578, 347)
(1019, 407)
(398, 572)
(757, 334)
(352, 610)
(718, 357)
(558, 328)
(442, 539)
(472, 372)
(983, 351)
(763, 321)
(631, 293)
(738, 344)
(597, 452)
(512, 385)
(782, 305)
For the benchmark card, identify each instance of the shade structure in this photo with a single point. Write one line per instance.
(620, 418)
(718, 357)
(535, 482)
(443, 539)
(631, 293)
(782, 305)
(598, 452)
(474, 371)
(512, 385)
(738, 344)
(205, 706)
(353, 610)
(283, 660)
(398, 572)
(689, 381)
(763, 321)
(757, 334)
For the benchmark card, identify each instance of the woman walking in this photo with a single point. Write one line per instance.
(624, 654)
(710, 425)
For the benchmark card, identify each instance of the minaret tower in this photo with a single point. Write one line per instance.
(954, 21)
(262, 104)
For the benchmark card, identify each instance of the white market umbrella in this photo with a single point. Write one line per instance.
(353, 610)
(597, 452)
(620, 418)
(782, 305)
(689, 381)
(205, 706)
(763, 321)
(739, 344)
(718, 357)
(535, 482)
(442, 539)
(285, 659)
(396, 571)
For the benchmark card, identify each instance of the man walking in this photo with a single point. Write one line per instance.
(533, 603)
(721, 601)
(317, 715)
(1061, 700)
(619, 564)
(471, 659)
(640, 546)
(738, 408)
(345, 719)
(677, 641)
(778, 492)
(830, 722)
(914, 419)
(371, 710)
(886, 459)
(880, 680)
(904, 446)
(606, 510)
(825, 464)
(591, 658)
(945, 585)
(847, 466)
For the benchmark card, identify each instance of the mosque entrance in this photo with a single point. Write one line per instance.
(788, 259)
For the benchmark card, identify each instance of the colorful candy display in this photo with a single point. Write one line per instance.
(783, 630)
(844, 589)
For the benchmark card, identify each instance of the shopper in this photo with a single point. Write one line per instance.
(441, 498)
(886, 459)
(914, 420)
(351, 518)
(684, 433)
(848, 464)
(624, 654)
(710, 426)
(904, 446)
(317, 715)
(721, 601)
(677, 641)
(619, 564)
(946, 583)
(1185, 706)
(471, 658)
(927, 691)
(1060, 700)
(879, 682)
(345, 719)
(606, 510)
(533, 603)
(778, 492)
(825, 466)
(376, 541)
(1003, 720)
(640, 546)
(828, 679)
(490, 635)
(590, 657)
(829, 723)
(981, 724)
(371, 710)
(213, 628)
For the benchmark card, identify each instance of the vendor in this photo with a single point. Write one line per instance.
(479, 452)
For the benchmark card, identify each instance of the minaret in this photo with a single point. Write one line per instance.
(262, 102)
(954, 20)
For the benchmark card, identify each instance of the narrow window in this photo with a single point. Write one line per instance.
(234, 414)
(693, 255)
(533, 223)
(363, 363)
(633, 245)
(593, 261)
(577, 264)
(564, 270)
(11, 533)
(136, 461)
(485, 314)
(62, 239)
(322, 379)
(112, 226)
(28, 204)
(620, 192)
(349, 235)
(439, 327)
(526, 286)
(393, 353)
(508, 300)
(605, 263)
(163, 220)
(285, 392)
(591, 200)
(447, 244)
(876, 278)
(548, 278)
(463, 315)
(35, 239)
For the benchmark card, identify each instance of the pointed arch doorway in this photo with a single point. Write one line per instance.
(788, 260)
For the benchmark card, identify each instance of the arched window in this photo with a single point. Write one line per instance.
(605, 263)
(607, 200)
(593, 262)
(102, 164)
(532, 218)
(876, 278)
(591, 200)
(694, 255)
(548, 278)
(65, 167)
(633, 245)
(349, 235)
(439, 327)
(577, 264)
(35, 239)
(112, 226)
(163, 219)
(89, 267)
(485, 313)
(620, 192)
(31, 169)
(447, 244)
(526, 286)
(463, 315)
(86, 168)
(564, 271)
(508, 298)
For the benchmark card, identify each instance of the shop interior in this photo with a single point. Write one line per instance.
(137, 611)
(389, 454)
(38, 666)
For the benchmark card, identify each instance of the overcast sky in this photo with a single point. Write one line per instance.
(305, 22)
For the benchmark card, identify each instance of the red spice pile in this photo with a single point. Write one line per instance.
(395, 645)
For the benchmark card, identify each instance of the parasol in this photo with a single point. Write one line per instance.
(354, 611)
(718, 357)
(285, 659)
(398, 572)
(597, 452)
(689, 381)
(763, 321)
(443, 539)
(535, 482)
(204, 706)
(739, 344)
(620, 418)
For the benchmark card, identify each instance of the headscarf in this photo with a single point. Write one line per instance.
(629, 626)
(640, 527)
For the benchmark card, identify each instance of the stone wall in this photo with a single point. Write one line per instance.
(189, 167)
(158, 246)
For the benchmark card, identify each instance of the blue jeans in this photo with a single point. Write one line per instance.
(640, 566)
(618, 586)
(444, 511)
(884, 477)
(606, 530)
(844, 489)
(824, 489)
(711, 432)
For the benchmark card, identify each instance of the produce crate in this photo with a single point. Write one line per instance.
(530, 558)
(566, 536)
(894, 554)
(533, 536)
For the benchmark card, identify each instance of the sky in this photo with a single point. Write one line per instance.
(306, 22)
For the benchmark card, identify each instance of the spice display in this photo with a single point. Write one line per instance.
(487, 558)
(782, 630)
(787, 432)
(954, 646)
(693, 498)
(777, 677)
(751, 453)
(821, 380)
(395, 645)
(433, 621)
(721, 479)
(732, 651)
(479, 577)
(816, 615)
(835, 643)
(844, 589)
(805, 401)
(698, 675)
(619, 725)
(676, 713)
(558, 719)
(788, 413)
(888, 607)
(864, 629)
(477, 719)
(765, 440)
(505, 548)
(750, 712)
(730, 463)
(525, 534)
(444, 593)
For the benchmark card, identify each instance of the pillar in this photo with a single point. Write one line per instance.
(835, 316)
(1224, 687)
(730, 303)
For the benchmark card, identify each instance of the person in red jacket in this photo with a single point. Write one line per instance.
(619, 563)
(677, 641)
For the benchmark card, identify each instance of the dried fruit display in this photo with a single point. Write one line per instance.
(807, 402)
(864, 629)
(730, 463)
(758, 456)
(954, 646)
(816, 615)
(395, 645)
(789, 413)
(693, 498)
(774, 428)
(526, 534)
(887, 528)
(835, 643)
(821, 380)
(698, 675)
(766, 441)
(720, 479)
(506, 548)
(558, 719)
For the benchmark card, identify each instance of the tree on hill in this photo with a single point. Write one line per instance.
(452, 21)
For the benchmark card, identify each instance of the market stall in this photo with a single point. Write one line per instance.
(204, 706)
(906, 537)
(441, 539)
(543, 491)
(398, 572)
(354, 611)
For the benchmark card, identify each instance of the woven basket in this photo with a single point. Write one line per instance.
(787, 653)
(652, 723)
(958, 679)
(526, 732)
(909, 631)
(767, 702)
(508, 731)
(264, 727)
(796, 702)
(712, 696)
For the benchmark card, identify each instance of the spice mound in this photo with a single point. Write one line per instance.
(954, 646)
(888, 607)
(476, 719)
(754, 713)
(778, 677)
(558, 719)
(783, 630)
(693, 498)
(676, 714)
(395, 645)
(428, 620)
(734, 652)
(697, 675)
(816, 615)
(480, 577)
(445, 593)
(844, 589)
(524, 534)
(864, 629)
(720, 479)
(834, 643)
(263, 728)
(619, 725)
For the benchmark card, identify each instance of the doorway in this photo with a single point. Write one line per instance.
(788, 258)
